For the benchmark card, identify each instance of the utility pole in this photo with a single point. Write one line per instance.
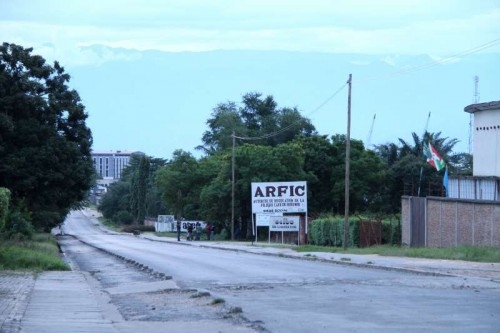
(232, 189)
(347, 164)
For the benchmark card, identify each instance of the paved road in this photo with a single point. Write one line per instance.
(289, 295)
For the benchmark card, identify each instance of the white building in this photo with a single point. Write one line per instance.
(110, 164)
(485, 182)
(486, 138)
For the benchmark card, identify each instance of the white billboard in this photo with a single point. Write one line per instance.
(284, 223)
(279, 197)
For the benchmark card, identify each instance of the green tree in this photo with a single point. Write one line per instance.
(45, 144)
(116, 199)
(178, 183)
(4, 205)
(367, 177)
(259, 118)
(408, 172)
(139, 190)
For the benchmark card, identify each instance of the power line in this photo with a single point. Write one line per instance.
(433, 63)
(281, 130)
(401, 72)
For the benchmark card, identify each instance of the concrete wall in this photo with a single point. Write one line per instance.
(455, 222)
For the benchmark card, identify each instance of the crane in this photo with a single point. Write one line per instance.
(369, 138)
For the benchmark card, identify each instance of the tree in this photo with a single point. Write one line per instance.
(116, 199)
(139, 190)
(45, 158)
(177, 181)
(4, 205)
(367, 177)
(408, 171)
(258, 118)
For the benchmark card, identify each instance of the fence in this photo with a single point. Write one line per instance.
(448, 222)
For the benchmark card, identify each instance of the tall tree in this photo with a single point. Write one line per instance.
(178, 182)
(257, 117)
(45, 144)
(139, 189)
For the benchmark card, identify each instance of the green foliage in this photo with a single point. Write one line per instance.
(329, 231)
(39, 254)
(123, 217)
(139, 189)
(257, 116)
(18, 225)
(408, 172)
(45, 144)
(141, 228)
(116, 199)
(467, 253)
(4, 205)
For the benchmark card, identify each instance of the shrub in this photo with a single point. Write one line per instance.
(132, 227)
(18, 225)
(4, 205)
(329, 231)
(123, 217)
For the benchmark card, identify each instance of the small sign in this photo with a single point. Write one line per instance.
(284, 223)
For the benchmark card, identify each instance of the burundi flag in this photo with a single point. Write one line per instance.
(433, 157)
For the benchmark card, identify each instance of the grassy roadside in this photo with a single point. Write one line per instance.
(467, 253)
(41, 253)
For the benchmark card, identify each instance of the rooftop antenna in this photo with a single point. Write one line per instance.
(471, 117)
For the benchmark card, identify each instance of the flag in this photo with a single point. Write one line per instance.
(433, 157)
(445, 182)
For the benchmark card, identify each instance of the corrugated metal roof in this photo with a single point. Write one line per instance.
(495, 105)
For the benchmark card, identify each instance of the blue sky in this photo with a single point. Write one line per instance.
(150, 72)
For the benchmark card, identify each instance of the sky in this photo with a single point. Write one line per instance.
(151, 72)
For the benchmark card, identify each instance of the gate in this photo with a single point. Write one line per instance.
(417, 221)
(370, 233)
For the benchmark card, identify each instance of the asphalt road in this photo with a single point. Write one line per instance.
(291, 295)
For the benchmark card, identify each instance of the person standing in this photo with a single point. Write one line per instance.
(178, 231)
(190, 231)
(208, 230)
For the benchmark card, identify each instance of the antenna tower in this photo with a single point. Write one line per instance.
(471, 119)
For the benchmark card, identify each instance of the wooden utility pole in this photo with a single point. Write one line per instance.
(347, 164)
(232, 190)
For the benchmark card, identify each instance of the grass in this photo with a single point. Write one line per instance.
(38, 254)
(468, 253)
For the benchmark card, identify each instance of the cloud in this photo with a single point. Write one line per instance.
(360, 27)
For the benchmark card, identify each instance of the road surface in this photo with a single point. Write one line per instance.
(291, 295)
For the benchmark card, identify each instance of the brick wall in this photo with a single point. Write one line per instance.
(454, 222)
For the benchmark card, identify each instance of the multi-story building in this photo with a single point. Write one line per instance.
(110, 164)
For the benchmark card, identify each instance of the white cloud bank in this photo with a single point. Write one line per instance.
(60, 30)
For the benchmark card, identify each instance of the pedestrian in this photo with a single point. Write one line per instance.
(212, 232)
(197, 231)
(178, 231)
(190, 231)
(208, 230)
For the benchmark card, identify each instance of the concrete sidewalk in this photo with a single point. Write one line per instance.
(64, 302)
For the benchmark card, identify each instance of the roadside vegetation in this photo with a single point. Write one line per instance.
(468, 253)
(40, 253)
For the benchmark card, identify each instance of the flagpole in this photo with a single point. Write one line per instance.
(422, 167)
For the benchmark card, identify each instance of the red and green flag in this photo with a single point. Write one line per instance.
(433, 157)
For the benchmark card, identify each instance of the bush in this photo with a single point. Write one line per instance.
(18, 226)
(329, 232)
(4, 205)
(123, 217)
(132, 227)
